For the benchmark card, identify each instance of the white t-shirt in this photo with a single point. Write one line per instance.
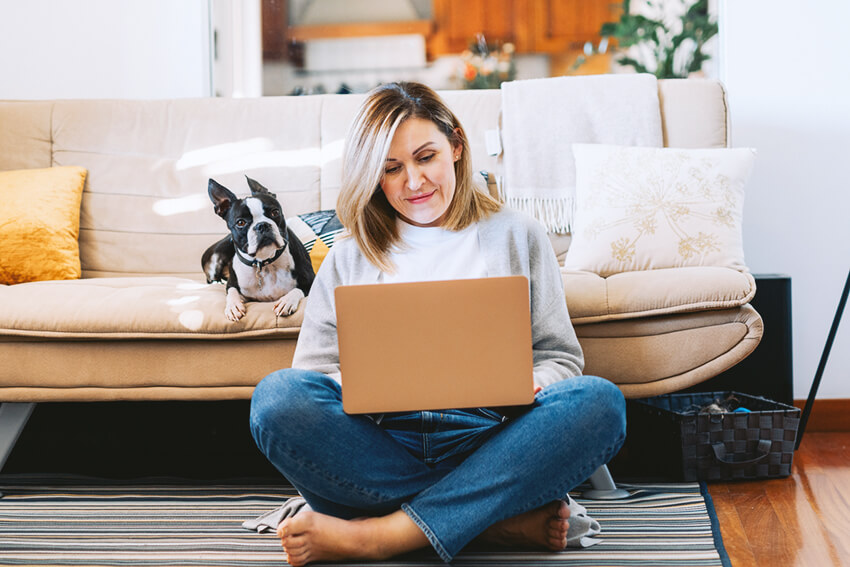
(434, 253)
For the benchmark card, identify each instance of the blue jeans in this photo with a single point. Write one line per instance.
(455, 473)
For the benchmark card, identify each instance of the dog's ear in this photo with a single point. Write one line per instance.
(221, 196)
(257, 189)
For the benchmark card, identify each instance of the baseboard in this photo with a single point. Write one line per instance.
(829, 414)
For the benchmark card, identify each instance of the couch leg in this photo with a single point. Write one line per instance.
(604, 487)
(13, 418)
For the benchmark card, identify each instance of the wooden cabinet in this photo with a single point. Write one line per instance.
(456, 24)
(562, 25)
(533, 26)
(554, 27)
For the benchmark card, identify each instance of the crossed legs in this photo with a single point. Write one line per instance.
(507, 490)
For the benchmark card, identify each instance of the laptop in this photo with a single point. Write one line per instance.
(435, 345)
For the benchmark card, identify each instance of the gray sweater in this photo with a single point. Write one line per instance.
(512, 244)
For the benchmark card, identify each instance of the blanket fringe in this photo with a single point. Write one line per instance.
(555, 214)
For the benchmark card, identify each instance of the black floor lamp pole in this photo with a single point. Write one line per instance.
(819, 374)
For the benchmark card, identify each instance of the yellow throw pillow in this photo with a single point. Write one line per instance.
(40, 224)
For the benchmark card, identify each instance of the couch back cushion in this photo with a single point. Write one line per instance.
(25, 137)
(145, 209)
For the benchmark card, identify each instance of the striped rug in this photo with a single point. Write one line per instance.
(72, 523)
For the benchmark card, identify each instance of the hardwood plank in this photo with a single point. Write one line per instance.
(808, 542)
(731, 529)
(802, 520)
(766, 535)
(825, 471)
(832, 510)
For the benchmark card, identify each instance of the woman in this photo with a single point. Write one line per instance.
(383, 485)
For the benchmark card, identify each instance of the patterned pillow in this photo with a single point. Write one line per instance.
(318, 231)
(648, 208)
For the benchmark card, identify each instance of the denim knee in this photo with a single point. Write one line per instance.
(285, 397)
(594, 405)
(611, 405)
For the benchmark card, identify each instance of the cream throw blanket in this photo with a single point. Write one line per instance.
(542, 118)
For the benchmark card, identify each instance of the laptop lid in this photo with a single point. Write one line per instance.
(435, 345)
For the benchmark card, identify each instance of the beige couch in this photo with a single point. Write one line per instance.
(141, 324)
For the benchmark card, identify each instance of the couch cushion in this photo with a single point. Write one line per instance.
(628, 295)
(127, 308)
(693, 113)
(145, 208)
(25, 137)
(650, 356)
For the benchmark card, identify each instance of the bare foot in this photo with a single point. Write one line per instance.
(310, 536)
(546, 528)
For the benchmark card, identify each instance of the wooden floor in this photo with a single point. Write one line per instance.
(800, 520)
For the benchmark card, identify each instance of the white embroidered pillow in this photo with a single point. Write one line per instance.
(643, 208)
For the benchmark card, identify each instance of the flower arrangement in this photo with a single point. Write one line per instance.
(487, 66)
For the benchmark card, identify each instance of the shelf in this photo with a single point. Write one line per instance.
(371, 29)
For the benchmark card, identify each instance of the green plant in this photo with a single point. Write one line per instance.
(675, 54)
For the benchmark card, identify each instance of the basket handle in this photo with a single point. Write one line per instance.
(761, 452)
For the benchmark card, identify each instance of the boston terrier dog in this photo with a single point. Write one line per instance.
(261, 259)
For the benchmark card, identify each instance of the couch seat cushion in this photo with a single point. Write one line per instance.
(132, 308)
(592, 298)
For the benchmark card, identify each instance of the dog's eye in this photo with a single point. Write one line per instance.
(241, 223)
(274, 213)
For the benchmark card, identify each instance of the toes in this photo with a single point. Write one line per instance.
(558, 526)
(297, 550)
(559, 530)
(284, 529)
(296, 558)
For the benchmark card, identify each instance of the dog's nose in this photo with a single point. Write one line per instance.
(263, 227)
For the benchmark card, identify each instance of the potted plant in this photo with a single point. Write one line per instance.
(660, 47)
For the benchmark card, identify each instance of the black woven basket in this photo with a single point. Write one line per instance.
(726, 446)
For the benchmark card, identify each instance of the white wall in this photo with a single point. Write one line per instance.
(787, 68)
(104, 49)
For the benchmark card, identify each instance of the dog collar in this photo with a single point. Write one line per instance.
(258, 264)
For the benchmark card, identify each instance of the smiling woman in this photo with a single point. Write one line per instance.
(404, 134)
(419, 181)
(409, 199)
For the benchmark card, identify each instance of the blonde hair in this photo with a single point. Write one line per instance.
(362, 207)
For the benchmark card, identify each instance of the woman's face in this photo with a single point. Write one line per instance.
(419, 175)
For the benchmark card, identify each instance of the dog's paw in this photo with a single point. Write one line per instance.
(234, 308)
(288, 304)
(234, 313)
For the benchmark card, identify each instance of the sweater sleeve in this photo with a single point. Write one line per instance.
(557, 353)
(317, 347)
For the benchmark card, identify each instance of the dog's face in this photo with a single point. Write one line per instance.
(256, 223)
